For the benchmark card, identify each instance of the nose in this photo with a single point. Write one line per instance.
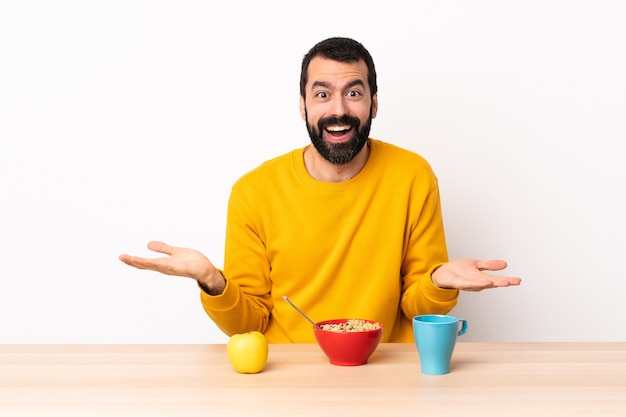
(338, 106)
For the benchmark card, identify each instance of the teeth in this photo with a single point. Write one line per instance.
(338, 128)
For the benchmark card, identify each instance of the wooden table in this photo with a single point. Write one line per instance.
(487, 379)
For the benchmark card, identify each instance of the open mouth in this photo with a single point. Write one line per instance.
(338, 131)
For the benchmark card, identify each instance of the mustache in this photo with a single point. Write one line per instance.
(334, 120)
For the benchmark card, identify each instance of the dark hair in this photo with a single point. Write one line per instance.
(342, 50)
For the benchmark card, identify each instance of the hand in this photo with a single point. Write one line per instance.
(466, 274)
(182, 262)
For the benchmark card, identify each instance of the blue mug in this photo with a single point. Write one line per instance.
(435, 337)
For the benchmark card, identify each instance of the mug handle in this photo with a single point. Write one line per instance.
(463, 328)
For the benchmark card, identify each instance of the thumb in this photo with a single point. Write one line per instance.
(491, 265)
(160, 247)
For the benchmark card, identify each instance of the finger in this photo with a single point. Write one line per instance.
(502, 281)
(492, 265)
(160, 247)
(125, 258)
(478, 285)
(507, 281)
(137, 262)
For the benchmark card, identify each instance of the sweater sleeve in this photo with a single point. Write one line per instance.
(245, 303)
(426, 251)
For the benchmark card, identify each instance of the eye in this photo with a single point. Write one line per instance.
(321, 94)
(354, 93)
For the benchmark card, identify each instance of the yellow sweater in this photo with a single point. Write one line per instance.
(363, 248)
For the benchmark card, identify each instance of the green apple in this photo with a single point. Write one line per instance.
(247, 352)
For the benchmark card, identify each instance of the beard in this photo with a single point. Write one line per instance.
(339, 153)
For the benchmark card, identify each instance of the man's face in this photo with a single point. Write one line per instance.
(338, 108)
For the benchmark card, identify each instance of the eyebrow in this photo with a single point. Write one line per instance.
(326, 84)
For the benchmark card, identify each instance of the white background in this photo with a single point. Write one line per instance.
(127, 121)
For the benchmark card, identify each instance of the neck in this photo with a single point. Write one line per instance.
(322, 170)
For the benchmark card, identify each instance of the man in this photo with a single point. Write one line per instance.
(349, 227)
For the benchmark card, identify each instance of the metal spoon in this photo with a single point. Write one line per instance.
(301, 313)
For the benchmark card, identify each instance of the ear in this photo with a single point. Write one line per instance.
(302, 108)
(374, 105)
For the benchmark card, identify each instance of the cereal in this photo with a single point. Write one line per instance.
(353, 325)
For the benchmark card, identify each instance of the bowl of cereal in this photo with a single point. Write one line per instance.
(348, 342)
